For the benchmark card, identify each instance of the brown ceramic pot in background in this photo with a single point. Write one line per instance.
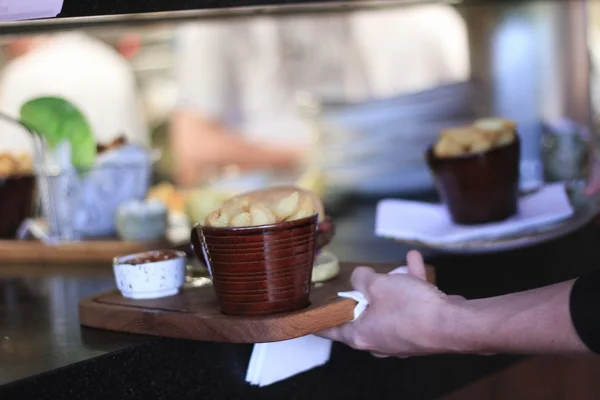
(17, 196)
(269, 270)
(479, 188)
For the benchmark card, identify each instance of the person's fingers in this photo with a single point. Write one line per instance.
(331, 333)
(416, 265)
(361, 279)
(593, 184)
(593, 187)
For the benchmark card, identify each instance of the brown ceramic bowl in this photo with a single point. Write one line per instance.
(479, 188)
(269, 296)
(257, 238)
(17, 196)
(234, 282)
(270, 282)
(264, 307)
(258, 267)
(293, 249)
(272, 285)
(260, 247)
(245, 288)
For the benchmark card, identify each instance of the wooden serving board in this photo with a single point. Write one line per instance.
(194, 313)
(85, 252)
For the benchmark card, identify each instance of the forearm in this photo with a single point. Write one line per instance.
(201, 142)
(532, 322)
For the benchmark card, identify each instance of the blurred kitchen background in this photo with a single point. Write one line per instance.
(371, 88)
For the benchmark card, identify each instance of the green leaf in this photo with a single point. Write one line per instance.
(57, 120)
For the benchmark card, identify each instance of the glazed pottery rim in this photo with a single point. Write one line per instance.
(124, 260)
(306, 221)
(19, 176)
(298, 298)
(259, 246)
(430, 154)
(256, 251)
(270, 235)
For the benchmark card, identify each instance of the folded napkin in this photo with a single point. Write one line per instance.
(431, 223)
(274, 362)
(361, 301)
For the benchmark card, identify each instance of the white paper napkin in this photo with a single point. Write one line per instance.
(274, 362)
(431, 223)
(361, 301)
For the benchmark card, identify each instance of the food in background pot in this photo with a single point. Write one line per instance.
(483, 135)
(115, 144)
(15, 165)
(201, 202)
(476, 171)
(172, 197)
(326, 267)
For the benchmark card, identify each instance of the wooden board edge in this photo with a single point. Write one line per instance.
(181, 325)
(84, 252)
(166, 323)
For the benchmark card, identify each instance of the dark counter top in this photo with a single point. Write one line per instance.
(46, 354)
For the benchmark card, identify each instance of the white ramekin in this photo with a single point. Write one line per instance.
(150, 280)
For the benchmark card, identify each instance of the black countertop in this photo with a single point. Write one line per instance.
(44, 352)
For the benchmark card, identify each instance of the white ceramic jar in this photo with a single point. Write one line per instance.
(151, 274)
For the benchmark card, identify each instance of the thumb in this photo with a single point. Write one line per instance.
(416, 266)
(362, 278)
(593, 184)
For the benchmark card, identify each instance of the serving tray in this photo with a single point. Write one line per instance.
(84, 252)
(194, 313)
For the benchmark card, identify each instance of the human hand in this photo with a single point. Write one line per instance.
(406, 315)
(593, 184)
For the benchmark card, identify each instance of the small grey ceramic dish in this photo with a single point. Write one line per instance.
(142, 220)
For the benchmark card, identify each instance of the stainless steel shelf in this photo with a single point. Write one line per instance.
(98, 13)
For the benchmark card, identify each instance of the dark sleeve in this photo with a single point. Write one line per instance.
(584, 304)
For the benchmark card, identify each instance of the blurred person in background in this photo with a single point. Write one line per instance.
(89, 73)
(238, 81)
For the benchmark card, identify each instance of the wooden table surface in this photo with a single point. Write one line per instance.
(81, 253)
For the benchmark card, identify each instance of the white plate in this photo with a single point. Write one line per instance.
(585, 210)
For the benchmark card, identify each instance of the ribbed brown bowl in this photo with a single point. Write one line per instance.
(261, 247)
(479, 188)
(261, 270)
(17, 196)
